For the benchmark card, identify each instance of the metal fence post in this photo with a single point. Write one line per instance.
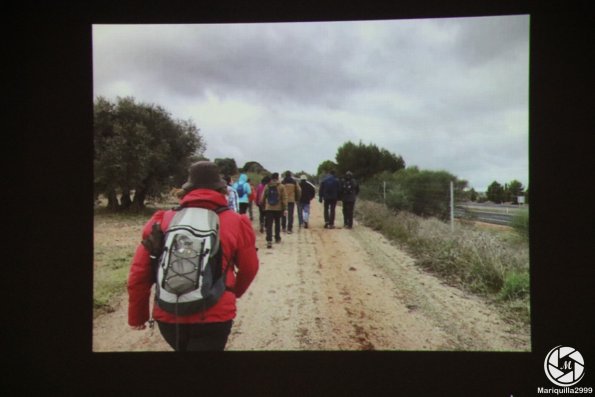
(452, 207)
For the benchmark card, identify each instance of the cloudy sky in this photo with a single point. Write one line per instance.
(445, 94)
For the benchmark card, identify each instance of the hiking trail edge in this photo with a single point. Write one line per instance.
(340, 289)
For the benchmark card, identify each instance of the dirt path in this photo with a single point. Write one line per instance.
(341, 289)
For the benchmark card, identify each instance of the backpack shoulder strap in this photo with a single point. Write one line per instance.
(219, 210)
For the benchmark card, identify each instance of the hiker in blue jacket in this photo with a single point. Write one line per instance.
(243, 188)
(329, 193)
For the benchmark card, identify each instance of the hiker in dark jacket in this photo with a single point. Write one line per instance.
(348, 193)
(329, 193)
(308, 193)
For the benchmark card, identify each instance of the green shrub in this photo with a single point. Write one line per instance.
(422, 192)
(109, 280)
(520, 223)
(116, 235)
(515, 286)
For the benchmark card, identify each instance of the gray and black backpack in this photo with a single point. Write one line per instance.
(347, 187)
(189, 275)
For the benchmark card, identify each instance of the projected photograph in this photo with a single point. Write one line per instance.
(312, 186)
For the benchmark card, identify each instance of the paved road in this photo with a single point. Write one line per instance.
(500, 214)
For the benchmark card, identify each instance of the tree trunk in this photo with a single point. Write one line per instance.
(138, 203)
(125, 200)
(112, 201)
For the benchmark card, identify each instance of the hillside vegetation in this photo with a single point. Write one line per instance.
(487, 261)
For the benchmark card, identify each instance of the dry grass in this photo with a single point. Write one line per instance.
(115, 238)
(493, 262)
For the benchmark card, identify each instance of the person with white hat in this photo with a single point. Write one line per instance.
(308, 193)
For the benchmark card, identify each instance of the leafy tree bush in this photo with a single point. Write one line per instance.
(422, 192)
(515, 189)
(140, 149)
(507, 193)
(366, 160)
(473, 196)
(254, 167)
(495, 192)
(326, 166)
(227, 166)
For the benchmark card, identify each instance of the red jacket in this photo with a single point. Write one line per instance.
(252, 196)
(237, 241)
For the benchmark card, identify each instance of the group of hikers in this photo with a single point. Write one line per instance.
(279, 200)
(202, 255)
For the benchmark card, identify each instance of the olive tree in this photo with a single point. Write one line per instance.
(140, 151)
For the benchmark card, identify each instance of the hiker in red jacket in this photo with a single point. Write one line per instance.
(210, 328)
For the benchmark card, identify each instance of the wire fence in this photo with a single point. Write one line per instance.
(437, 200)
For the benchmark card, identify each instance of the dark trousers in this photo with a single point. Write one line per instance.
(348, 213)
(243, 208)
(196, 337)
(329, 212)
(270, 217)
(300, 215)
(287, 221)
(261, 216)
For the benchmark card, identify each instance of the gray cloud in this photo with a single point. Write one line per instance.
(485, 39)
(445, 94)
